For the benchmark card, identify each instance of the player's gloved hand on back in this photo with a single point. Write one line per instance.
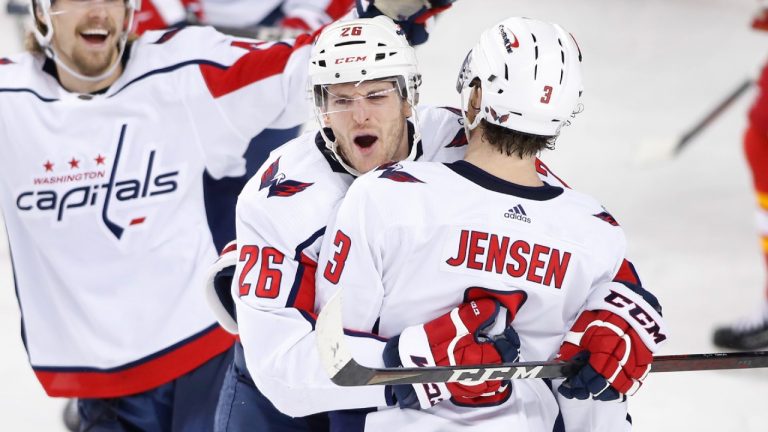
(614, 358)
(459, 337)
(411, 15)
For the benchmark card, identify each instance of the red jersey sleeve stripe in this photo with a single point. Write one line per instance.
(545, 171)
(252, 67)
(337, 8)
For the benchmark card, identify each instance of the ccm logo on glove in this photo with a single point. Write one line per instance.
(638, 314)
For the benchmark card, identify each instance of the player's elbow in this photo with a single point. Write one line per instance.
(288, 401)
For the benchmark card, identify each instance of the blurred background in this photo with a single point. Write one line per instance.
(652, 69)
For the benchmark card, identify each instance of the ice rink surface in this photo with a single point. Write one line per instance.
(652, 69)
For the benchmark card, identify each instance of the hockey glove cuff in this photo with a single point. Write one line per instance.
(616, 360)
(218, 290)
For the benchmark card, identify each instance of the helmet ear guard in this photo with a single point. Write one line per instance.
(530, 74)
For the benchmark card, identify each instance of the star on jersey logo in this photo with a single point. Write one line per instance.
(48, 165)
(99, 159)
(277, 183)
(74, 163)
(393, 171)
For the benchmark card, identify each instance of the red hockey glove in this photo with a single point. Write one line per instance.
(618, 359)
(460, 337)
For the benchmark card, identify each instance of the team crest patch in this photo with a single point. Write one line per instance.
(393, 171)
(277, 183)
(499, 118)
(459, 140)
(605, 216)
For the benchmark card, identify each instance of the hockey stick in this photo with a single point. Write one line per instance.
(668, 148)
(345, 371)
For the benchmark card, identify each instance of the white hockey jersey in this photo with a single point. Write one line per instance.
(410, 238)
(103, 203)
(281, 219)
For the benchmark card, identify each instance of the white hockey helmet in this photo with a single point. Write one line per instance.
(360, 50)
(530, 74)
(44, 39)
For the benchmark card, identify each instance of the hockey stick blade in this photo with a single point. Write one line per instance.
(345, 371)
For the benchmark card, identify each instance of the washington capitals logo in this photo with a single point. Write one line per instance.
(5, 61)
(605, 216)
(115, 191)
(459, 140)
(499, 118)
(392, 171)
(278, 185)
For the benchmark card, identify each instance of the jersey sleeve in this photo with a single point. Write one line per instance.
(274, 290)
(313, 14)
(248, 86)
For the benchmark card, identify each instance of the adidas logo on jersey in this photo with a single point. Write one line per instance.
(517, 213)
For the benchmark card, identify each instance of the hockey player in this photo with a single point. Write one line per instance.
(103, 204)
(751, 332)
(486, 240)
(365, 84)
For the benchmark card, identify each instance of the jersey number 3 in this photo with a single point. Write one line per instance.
(336, 264)
(268, 284)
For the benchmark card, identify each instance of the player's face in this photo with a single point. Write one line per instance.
(86, 33)
(369, 123)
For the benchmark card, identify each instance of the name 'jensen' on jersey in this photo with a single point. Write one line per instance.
(482, 251)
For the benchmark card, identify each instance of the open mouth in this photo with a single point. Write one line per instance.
(365, 141)
(95, 36)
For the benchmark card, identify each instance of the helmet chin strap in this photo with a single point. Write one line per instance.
(50, 52)
(333, 145)
(45, 41)
(468, 127)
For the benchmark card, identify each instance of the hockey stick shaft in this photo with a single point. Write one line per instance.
(712, 115)
(345, 371)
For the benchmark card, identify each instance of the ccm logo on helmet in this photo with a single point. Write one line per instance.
(352, 59)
